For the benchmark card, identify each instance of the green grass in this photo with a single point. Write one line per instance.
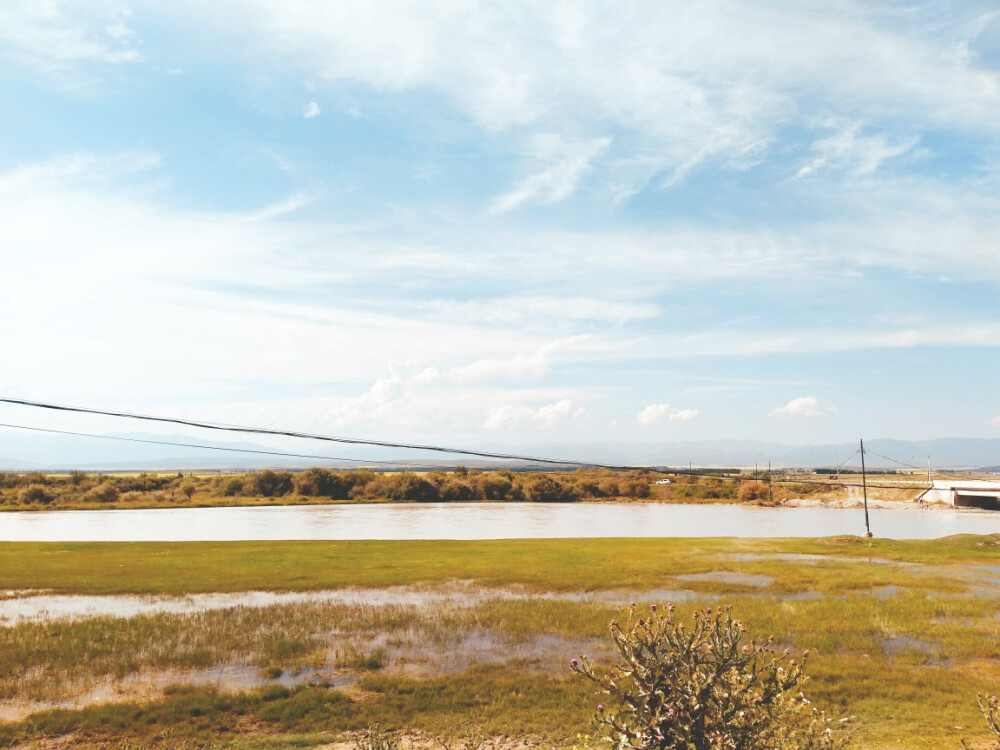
(494, 700)
(905, 664)
(548, 564)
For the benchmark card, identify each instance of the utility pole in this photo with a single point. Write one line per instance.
(864, 485)
(770, 498)
(929, 471)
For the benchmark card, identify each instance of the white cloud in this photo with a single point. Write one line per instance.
(527, 310)
(520, 367)
(684, 415)
(652, 414)
(995, 422)
(514, 417)
(656, 413)
(804, 406)
(120, 265)
(55, 37)
(720, 82)
(311, 110)
(289, 205)
(848, 150)
(562, 165)
(806, 340)
(117, 266)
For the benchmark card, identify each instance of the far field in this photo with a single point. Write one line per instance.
(459, 638)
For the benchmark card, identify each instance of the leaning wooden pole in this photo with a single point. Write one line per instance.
(864, 486)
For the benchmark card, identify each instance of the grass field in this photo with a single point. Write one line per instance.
(903, 635)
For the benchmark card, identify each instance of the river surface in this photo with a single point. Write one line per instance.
(483, 521)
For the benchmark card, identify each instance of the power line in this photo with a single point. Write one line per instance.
(895, 461)
(380, 443)
(311, 436)
(282, 454)
(922, 469)
(818, 484)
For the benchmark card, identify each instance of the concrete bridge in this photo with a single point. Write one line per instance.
(964, 493)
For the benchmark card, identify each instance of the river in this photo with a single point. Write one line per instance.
(483, 521)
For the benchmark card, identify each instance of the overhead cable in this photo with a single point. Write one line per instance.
(282, 454)
(309, 436)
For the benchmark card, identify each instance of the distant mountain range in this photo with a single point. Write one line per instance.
(37, 451)
(944, 453)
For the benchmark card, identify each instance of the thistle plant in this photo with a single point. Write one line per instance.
(990, 709)
(698, 684)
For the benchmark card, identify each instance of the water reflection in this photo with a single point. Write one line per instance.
(483, 521)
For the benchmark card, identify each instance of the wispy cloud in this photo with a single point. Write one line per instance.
(527, 310)
(718, 84)
(311, 110)
(56, 38)
(849, 150)
(562, 165)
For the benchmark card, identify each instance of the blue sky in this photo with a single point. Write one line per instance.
(506, 223)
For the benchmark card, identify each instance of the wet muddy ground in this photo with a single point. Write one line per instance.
(411, 652)
(414, 652)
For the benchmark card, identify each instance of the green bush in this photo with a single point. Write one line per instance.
(455, 491)
(403, 487)
(318, 482)
(229, 486)
(269, 483)
(106, 492)
(545, 489)
(635, 488)
(752, 492)
(696, 685)
(35, 493)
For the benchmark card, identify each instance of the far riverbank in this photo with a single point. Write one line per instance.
(35, 491)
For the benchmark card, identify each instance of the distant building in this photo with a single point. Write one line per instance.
(964, 493)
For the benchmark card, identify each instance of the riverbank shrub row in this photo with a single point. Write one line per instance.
(80, 489)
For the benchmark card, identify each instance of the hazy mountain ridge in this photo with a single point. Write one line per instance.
(28, 452)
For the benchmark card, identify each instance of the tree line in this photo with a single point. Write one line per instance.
(364, 485)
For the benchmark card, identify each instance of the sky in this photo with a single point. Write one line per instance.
(505, 223)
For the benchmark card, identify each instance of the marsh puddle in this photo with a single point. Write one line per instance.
(545, 653)
(729, 576)
(150, 685)
(884, 592)
(900, 645)
(811, 559)
(411, 654)
(40, 606)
